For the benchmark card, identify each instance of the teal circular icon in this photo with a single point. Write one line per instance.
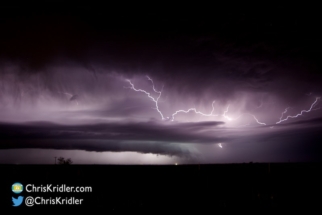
(17, 188)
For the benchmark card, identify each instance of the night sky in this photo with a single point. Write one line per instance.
(158, 84)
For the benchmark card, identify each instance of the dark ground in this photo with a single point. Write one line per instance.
(174, 188)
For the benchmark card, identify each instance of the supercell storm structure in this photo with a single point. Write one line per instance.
(116, 113)
(225, 87)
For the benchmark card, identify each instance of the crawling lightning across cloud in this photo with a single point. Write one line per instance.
(189, 87)
(211, 114)
(300, 114)
(197, 112)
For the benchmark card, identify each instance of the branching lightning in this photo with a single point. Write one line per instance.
(149, 95)
(300, 114)
(227, 117)
(261, 123)
(224, 115)
(283, 114)
(156, 100)
(154, 87)
(194, 110)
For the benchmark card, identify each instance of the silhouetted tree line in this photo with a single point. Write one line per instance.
(63, 161)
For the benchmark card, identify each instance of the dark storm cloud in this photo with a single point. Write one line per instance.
(313, 122)
(143, 131)
(150, 137)
(227, 51)
(99, 145)
(153, 137)
(148, 40)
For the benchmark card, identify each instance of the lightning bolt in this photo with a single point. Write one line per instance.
(149, 95)
(261, 123)
(227, 117)
(300, 114)
(154, 87)
(224, 115)
(194, 110)
(156, 100)
(283, 114)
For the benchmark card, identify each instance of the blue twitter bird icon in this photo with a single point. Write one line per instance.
(17, 201)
